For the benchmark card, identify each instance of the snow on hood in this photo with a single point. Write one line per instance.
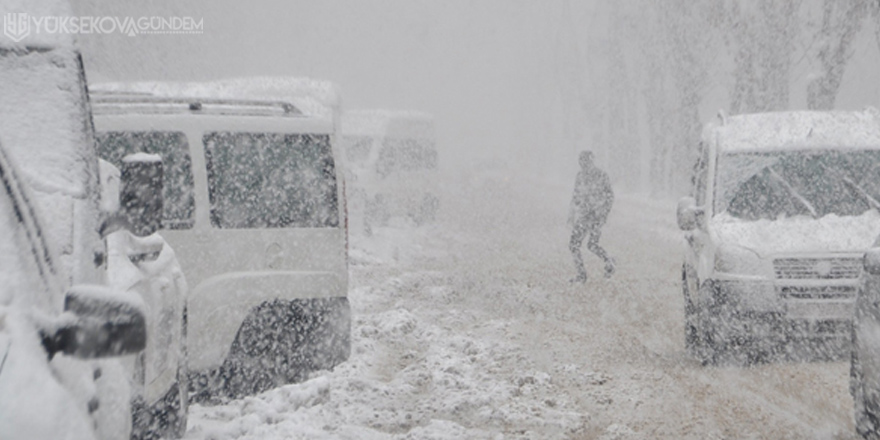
(799, 234)
(315, 98)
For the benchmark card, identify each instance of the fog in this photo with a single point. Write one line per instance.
(468, 324)
(510, 81)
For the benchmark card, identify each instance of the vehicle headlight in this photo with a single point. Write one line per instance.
(740, 261)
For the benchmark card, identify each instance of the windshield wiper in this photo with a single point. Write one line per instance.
(872, 202)
(861, 191)
(793, 192)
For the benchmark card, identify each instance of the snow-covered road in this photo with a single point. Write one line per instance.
(468, 328)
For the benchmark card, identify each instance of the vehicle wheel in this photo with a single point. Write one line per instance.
(691, 325)
(866, 411)
(711, 345)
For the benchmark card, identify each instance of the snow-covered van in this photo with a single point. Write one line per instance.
(47, 133)
(254, 209)
(783, 206)
(48, 336)
(391, 165)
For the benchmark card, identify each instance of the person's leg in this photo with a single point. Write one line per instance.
(577, 239)
(593, 246)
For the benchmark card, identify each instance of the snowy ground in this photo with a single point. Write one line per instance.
(469, 329)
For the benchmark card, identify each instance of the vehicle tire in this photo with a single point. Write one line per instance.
(866, 412)
(691, 323)
(711, 344)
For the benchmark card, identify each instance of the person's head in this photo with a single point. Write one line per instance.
(586, 159)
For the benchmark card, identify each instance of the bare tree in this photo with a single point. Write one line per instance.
(761, 39)
(841, 21)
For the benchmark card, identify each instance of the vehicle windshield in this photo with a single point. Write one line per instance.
(269, 180)
(754, 186)
(179, 202)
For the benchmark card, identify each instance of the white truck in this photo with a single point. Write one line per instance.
(783, 206)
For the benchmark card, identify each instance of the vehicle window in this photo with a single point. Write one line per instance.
(179, 203)
(405, 155)
(271, 180)
(771, 185)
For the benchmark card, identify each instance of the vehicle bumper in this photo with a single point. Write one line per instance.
(764, 309)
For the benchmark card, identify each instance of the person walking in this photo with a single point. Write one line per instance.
(590, 205)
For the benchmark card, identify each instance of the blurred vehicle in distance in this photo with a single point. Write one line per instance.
(391, 166)
(783, 206)
(255, 211)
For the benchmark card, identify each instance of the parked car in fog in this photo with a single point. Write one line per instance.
(47, 387)
(391, 165)
(255, 210)
(783, 206)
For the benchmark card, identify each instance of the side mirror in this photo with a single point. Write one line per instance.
(871, 261)
(140, 200)
(688, 213)
(104, 323)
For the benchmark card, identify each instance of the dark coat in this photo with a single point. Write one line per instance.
(592, 198)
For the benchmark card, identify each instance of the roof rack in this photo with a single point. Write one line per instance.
(138, 102)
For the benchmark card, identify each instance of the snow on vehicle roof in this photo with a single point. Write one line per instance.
(142, 157)
(374, 122)
(798, 130)
(20, 30)
(314, 98)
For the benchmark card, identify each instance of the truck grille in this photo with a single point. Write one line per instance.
(818, 292)
(817, 268)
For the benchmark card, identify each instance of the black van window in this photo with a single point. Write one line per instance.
(174, 150)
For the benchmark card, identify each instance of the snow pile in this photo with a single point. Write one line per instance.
(417, 370)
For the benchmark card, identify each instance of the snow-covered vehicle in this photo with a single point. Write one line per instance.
(47, 388)
(141, 263)
(254, 209)
(391, 165)
(783, 207)
(47, 131)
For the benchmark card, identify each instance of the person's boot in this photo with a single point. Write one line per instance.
(609, 267)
